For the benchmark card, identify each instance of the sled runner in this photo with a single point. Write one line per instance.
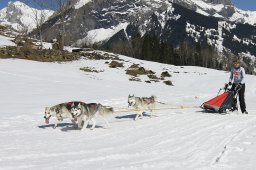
(227, 101)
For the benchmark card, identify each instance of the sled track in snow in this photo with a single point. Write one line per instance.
(235, 136)
(225, 148)
(183, 140)
(162, 142)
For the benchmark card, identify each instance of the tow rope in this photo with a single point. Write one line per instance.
(124, 110)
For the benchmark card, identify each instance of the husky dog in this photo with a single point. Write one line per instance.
(89, 111)
(62, 111)
(141, 104)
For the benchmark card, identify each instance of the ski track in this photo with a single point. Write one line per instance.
(173, 139)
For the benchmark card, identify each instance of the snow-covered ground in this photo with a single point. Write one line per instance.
(182, 139)
(6, 41)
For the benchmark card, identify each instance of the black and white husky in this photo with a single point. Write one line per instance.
(140, 104)
(88, 112)
(62, 111)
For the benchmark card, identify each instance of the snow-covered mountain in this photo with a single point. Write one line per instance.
(22, 17)
(221, 9)
(108, 23)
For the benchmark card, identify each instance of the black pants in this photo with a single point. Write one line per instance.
(241, 97)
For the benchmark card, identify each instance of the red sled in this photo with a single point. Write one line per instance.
(227, 101)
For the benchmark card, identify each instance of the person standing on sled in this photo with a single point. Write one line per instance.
(237, 78)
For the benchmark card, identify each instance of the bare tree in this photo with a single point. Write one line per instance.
(24, 31)
(40, 16)
(61, 4)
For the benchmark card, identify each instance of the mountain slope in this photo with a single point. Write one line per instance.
(21, 17)
(154, 30)
(101, 17)
(220, 9)
(98, 21)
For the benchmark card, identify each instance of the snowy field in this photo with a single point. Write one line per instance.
(175, 139)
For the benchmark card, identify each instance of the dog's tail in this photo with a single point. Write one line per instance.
(154, 98)
(160, 102)
(110, 109)
(103, 110)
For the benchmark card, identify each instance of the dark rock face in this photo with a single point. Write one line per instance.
(225, 8)
(171, 22)
(224, 2)
(101, 14)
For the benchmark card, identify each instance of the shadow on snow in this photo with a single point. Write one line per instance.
(52, 125)
(66, 126)
(131, 116)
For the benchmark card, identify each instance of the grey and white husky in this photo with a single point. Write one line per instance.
(62, 111)
(141, 104)
(89, 111)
